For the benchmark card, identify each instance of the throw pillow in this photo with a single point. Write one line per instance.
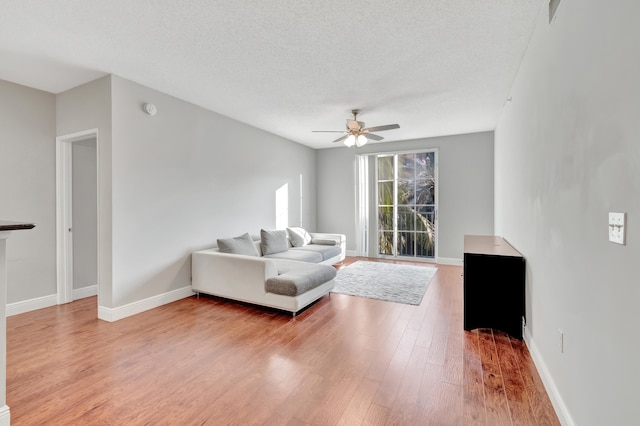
(299, 237)
(238, 245)
(273, 241)
(324, 242)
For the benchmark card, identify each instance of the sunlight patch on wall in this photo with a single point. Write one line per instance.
(282, 207)
(301, 200)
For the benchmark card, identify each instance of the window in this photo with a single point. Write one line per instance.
(406, 204)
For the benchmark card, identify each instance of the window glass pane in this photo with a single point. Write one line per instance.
(425, 191)
(385, 193)
(385, 218)
(406, 218)
(406, 192)
(406, 166)
(406, 244)
(424, 244)
(385, 167)
(385, 243)
(425, 219)
(425, 164)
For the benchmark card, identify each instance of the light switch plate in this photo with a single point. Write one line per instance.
(617, 227)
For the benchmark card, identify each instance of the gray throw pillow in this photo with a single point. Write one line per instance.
(299, 237)
(273, 241)
(324, 242)
(238, 245)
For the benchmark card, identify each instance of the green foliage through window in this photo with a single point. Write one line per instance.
(406, 204)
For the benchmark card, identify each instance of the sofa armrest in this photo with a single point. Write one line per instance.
(230, 274)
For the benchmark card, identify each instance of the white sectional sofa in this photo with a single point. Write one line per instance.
(264, 271)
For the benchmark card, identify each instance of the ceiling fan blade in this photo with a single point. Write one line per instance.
(373, 137)
(340, 139)
(327, 131)
(382, 128)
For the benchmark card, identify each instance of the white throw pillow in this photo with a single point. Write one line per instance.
(298, 236)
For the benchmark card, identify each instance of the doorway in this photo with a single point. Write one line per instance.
(406, 204)
(77, 215)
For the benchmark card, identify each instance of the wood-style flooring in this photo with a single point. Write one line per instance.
(343, 361)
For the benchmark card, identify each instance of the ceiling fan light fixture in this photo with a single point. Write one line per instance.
(357, 134)
(350, 141)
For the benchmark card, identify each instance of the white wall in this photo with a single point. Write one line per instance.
(85, 214)
(27, 189)
(187, 176)
(83, 108)
(465, 187)
(182, 179)
(567, 153)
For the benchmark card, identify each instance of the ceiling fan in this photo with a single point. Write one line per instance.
(358, 135)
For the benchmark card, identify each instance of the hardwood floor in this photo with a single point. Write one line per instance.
(343, 361)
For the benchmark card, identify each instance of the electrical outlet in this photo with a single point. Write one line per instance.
(617, 227)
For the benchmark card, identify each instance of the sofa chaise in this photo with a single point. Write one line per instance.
(284, 269)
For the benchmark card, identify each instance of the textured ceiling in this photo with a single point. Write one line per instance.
(285, 66)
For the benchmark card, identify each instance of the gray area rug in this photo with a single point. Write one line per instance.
(385, 281)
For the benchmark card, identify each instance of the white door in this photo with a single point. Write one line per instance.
(85, 218)
(77, 215)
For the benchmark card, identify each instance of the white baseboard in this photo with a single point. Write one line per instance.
(449, 261)
(352, 253)
(81, 293)
(104, 313)
(115, 314)
(24, 306)
(552, 390)
(31, 305)
(5, 416)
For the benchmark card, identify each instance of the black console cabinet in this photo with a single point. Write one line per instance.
(494, 274)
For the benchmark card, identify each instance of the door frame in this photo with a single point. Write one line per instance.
(64, 211)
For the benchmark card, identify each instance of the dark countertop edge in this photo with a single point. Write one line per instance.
(15, 226)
